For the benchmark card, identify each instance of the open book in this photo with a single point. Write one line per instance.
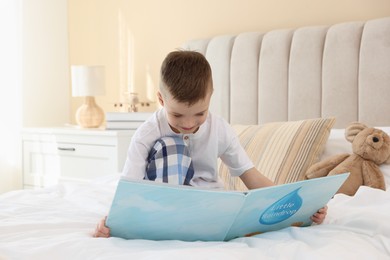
(157, 211)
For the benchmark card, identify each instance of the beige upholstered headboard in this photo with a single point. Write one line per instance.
(341, 70)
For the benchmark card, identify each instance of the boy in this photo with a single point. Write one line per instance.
(184, 136)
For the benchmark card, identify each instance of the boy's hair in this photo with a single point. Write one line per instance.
(186, 75)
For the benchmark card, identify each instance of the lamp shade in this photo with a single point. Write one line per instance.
(88, 81)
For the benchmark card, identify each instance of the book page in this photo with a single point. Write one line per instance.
(146, 210)
(283, 206)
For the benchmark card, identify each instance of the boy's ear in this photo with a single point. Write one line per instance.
(160, 98)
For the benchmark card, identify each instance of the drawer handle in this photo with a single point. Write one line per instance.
(66, 149)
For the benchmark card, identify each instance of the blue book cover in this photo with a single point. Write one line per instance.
(159, 211)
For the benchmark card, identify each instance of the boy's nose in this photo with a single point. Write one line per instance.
(188, 123)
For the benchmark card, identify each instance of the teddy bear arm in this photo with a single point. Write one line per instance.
(372, 176)
(322, 168)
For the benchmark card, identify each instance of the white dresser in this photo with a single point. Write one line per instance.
(72, 154)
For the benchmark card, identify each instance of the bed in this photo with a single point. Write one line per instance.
(292, 75)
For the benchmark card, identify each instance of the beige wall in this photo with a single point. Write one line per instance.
(131, 37)
(45, 59)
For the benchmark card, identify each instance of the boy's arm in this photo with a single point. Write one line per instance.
(253, 179)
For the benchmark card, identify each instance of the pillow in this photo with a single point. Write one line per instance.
(282, 151)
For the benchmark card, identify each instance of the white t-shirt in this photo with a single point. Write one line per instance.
(214, 139)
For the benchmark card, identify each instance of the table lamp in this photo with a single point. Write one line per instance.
(88, 82)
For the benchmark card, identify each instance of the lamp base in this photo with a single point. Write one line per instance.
(89, 115)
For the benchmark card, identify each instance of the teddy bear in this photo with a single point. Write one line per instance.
(370, 148)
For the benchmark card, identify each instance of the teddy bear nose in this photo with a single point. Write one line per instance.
(375, 139)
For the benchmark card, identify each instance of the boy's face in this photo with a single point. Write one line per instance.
(182, 118)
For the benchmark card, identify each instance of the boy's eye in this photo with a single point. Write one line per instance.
(177, 116)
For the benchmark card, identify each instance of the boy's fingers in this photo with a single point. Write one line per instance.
(101, 229)
(101, 232)
(322, 211)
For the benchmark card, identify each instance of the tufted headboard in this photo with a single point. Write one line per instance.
(341, 70)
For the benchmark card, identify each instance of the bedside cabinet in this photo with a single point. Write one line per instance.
(71, 154)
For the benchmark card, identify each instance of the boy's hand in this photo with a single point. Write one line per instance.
(101, 229)
(320, 215)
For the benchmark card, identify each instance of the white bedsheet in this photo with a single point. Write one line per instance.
(57, 223)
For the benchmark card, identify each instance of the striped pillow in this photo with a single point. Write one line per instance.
(282, 151)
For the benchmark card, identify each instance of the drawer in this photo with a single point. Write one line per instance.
(53, 154)
(44, 163)
(82, 162)
(41, 165)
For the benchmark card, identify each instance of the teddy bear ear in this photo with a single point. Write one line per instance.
(353, 129)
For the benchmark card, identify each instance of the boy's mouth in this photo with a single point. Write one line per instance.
(185, 130)
(190, 130)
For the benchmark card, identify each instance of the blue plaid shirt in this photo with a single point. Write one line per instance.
(169, 161)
